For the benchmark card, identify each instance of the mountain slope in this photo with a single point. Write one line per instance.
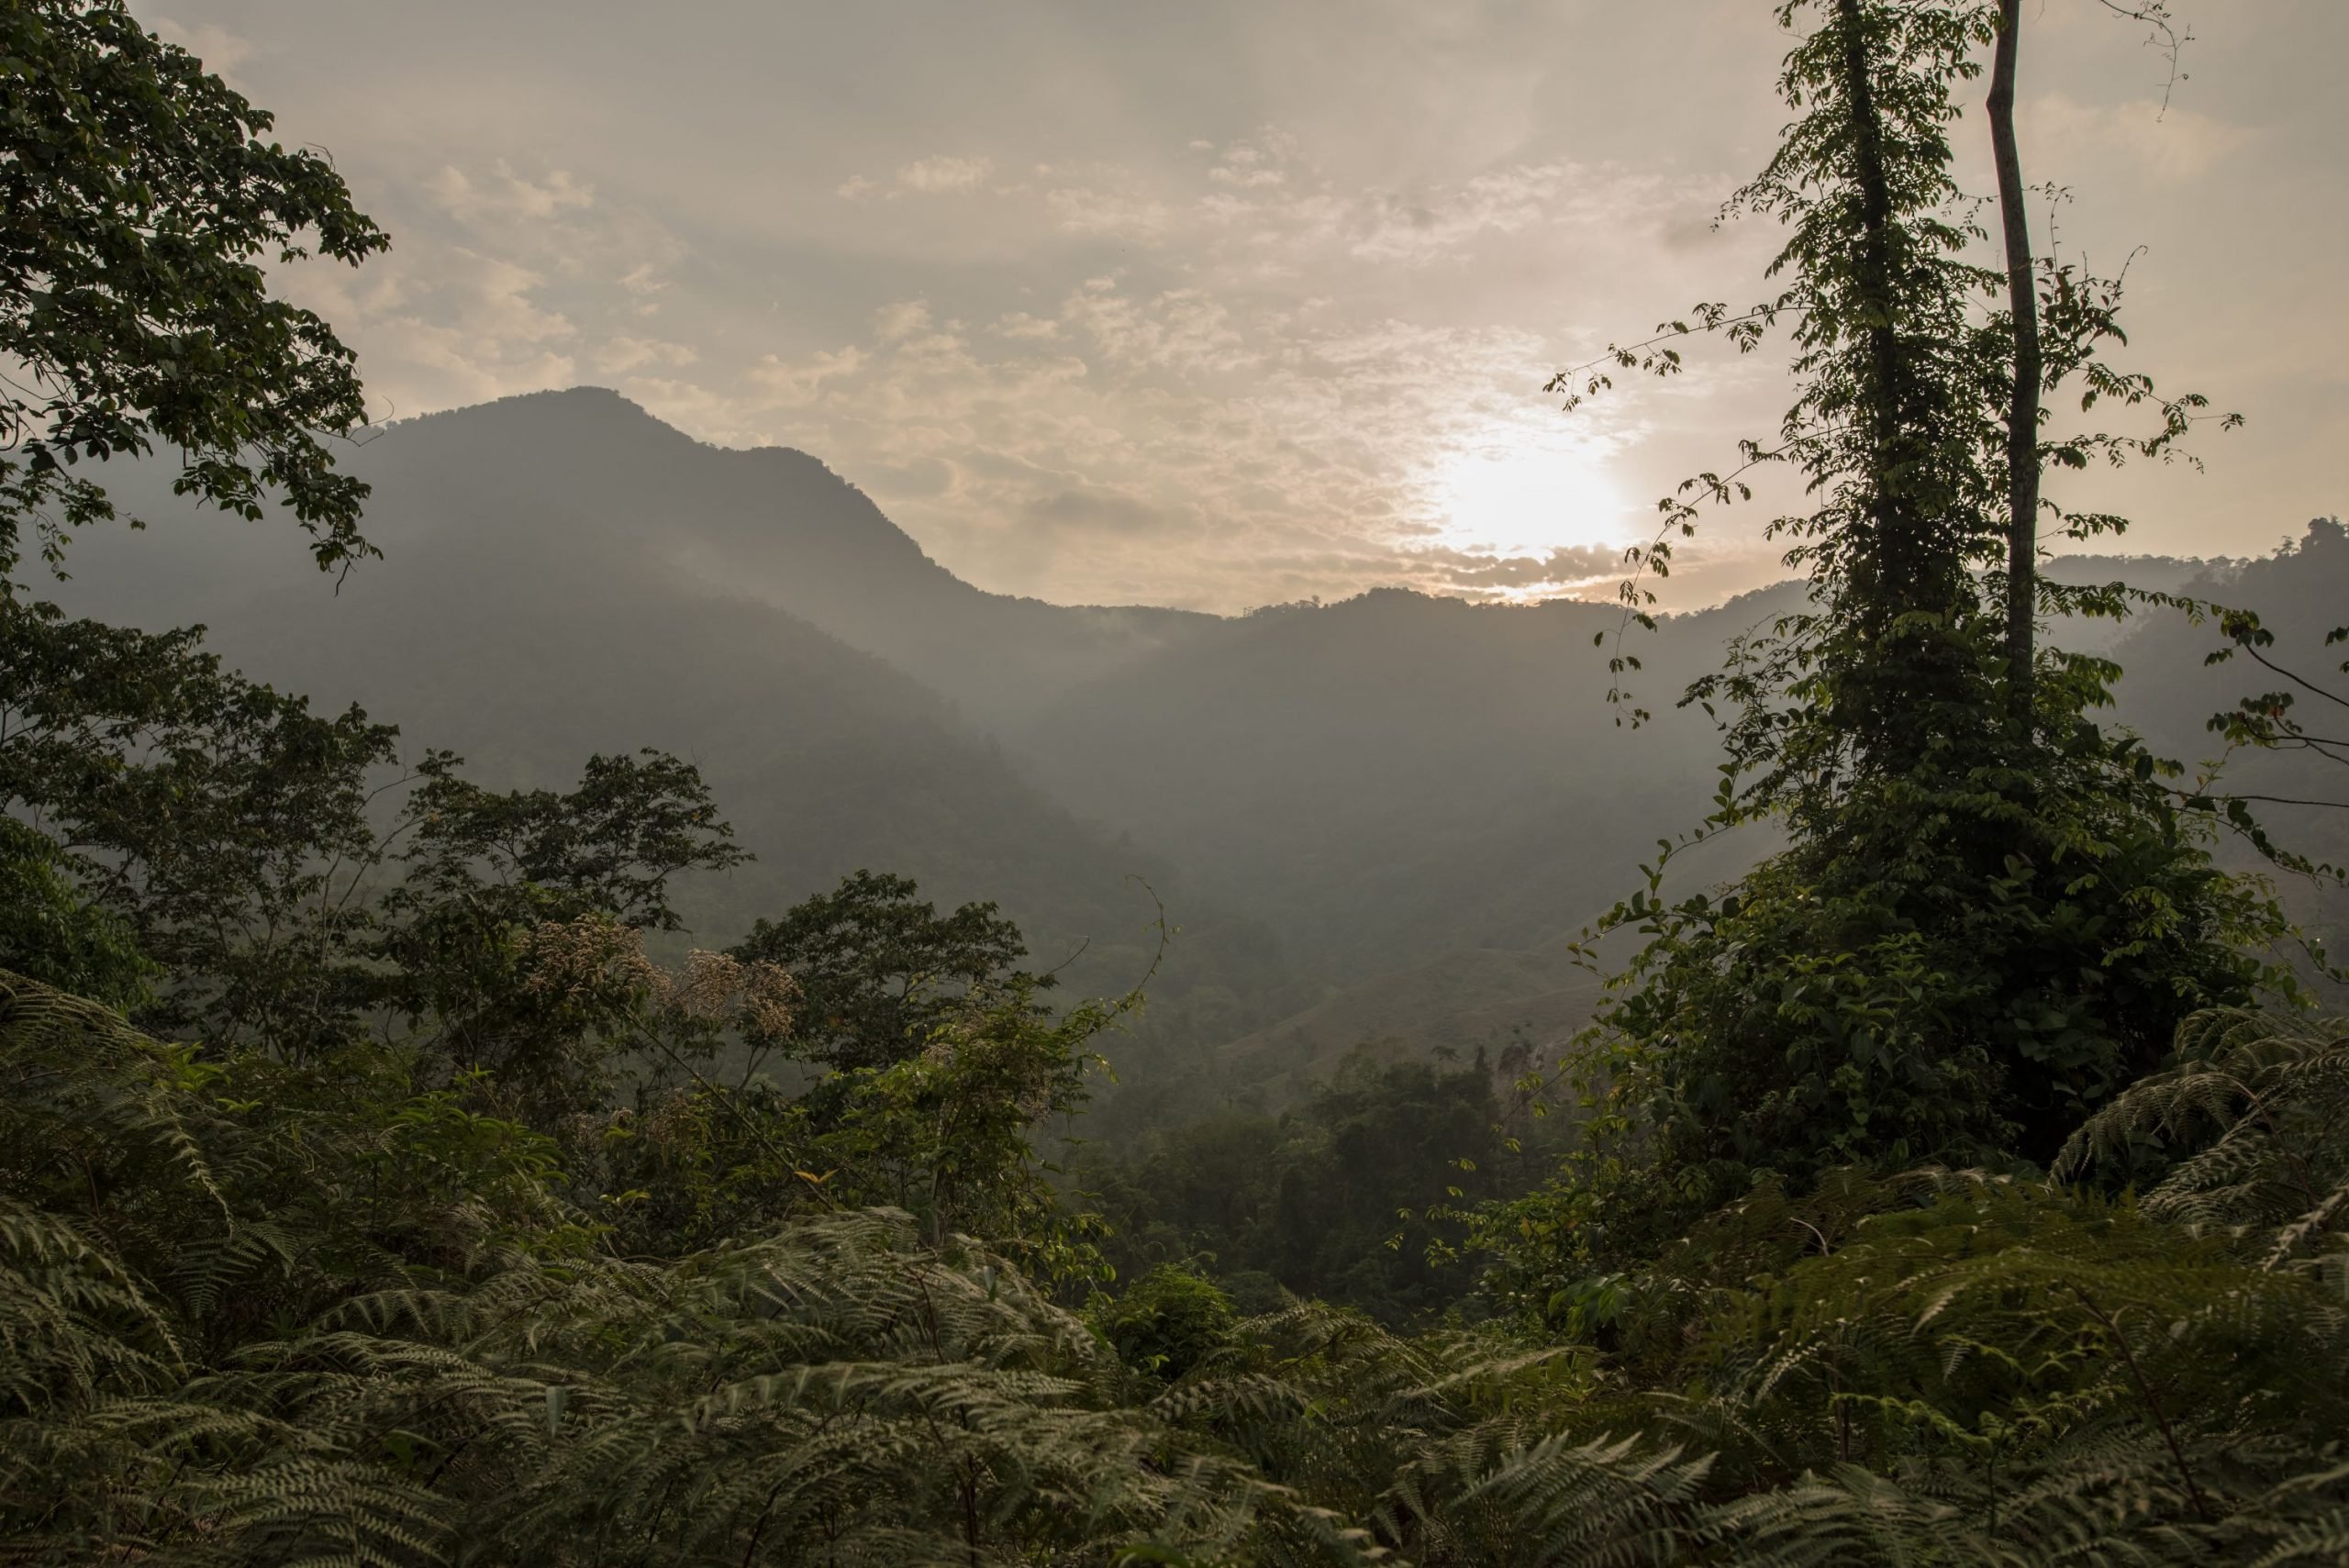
(1398, 776)
(1395, 789)
(1482, 998)
(515, 623)
(771, 524)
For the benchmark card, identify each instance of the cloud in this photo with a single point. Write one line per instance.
(506, 280)
(1180, 329)
(1248, 168)
(906, 318)
(1019, 324)
(2172, 144)
(933, 175)
(505, 197)
(620, 355)
(1502, 203)
(492, 301)
(466, 328)
(1278, 385)
(1565, 567)
(1108, 214)
(797, 384)
(1263, 208)
(1106, 511)
(687, 404)
(1339, 260)
(1280, 450)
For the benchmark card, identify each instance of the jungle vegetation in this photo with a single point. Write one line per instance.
(385, 1179)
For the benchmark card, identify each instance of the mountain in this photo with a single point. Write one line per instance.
(2170, 690)
(770, 523)
(1376, 820)
(1480, 999)
(773, 525)
(532, 608)
(1415, 775)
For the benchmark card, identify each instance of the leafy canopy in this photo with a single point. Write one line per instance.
(140, 204)
(878, 967)
(1982, 929)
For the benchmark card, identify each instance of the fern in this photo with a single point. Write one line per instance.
(2250, 1120)
(241, 1330)
(251, 1314)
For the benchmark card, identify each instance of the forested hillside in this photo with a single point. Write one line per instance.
(771, 524)
(1376, 783)
(1259, 757)
(479, 1085)
(526, 624)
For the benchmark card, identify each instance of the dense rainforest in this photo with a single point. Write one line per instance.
(1955, 1172)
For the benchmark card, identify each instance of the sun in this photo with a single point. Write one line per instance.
(1512, 496)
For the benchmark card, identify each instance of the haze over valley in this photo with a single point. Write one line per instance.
(1381, 821)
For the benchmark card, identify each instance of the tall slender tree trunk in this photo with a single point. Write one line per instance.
(2023, 408)
(1897, 574)
(1891, 549)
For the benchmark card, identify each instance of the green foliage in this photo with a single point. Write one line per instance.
(1992, 915)
(223, 823)
(569, 1026)
(2245, 1132)
(1342, 1197)
(1167, 1322)
(1396, 1432)
(2012, 1329)
(512, 1276)
(1947, 1369)
(507, 947)
(879, 969)
(139, 209)
(949, 1136)
(611, 844)
(49, 932)
(1957, 977)
(244, 843)
(261, 1315)
(1967, 1369)
(2272, 721)
(947, 1133)
(189, 816)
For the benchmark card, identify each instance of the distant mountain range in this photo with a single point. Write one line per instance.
(1376, 820)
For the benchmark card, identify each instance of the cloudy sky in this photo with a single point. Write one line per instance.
(1221, 302)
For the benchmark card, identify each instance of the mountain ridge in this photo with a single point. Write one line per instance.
(1350, 807)
(779, 524)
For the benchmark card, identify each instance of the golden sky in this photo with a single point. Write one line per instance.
(1220, 302)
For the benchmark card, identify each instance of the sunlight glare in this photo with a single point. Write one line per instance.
(1514, 497)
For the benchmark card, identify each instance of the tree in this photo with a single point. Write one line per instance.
(214, 856)
(2022, 404)
(138, 203)
(610, 845)
(1981, 929)
(2268, 721)
(261, 1315)
(50, 933)
(2029, 382)
(220, 824)
(878, 967)
(461, 956)
(184, 811)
